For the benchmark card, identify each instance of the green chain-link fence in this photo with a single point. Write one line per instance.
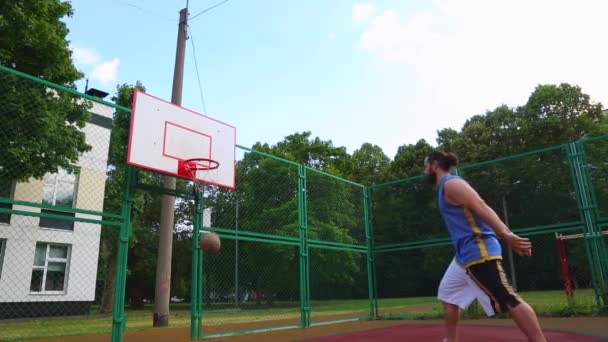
(555, 196)
(254, 283)
(54, 226)
(79, 232)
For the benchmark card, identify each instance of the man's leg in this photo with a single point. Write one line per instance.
(526, 320)
(491, 278)
(456, 292)
(452, 314)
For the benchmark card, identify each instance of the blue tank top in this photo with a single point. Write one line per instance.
(474, 241)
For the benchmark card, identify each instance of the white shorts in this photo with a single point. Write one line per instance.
(459, 289)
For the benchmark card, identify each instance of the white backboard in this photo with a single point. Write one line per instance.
(162, 134)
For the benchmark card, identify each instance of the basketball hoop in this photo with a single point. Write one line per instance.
(189, 168)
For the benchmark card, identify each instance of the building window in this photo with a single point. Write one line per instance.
(50, 270)
(59, 190)
(2, 249)
(6, 191)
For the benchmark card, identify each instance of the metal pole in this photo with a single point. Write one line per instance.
(511, 263)
(119, 318)
(371, 270)
(165, 244)
(194, 285)
(236, 256)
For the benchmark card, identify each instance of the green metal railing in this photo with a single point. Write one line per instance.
(562, 199)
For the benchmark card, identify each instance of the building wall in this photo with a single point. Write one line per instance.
(24, 232)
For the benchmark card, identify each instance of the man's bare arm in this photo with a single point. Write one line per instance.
(459, 192)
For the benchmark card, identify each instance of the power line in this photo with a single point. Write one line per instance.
(200, 88)
(143, 10)
(209, 9)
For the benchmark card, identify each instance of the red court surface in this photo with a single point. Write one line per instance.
(557, 329)
(435, 333)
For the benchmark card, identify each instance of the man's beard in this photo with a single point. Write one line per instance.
(432, 178)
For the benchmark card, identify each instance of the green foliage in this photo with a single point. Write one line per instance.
(41, 127)
(266, 201)
(33, 39)
(368, 163)
(534, 190)
(553, 115)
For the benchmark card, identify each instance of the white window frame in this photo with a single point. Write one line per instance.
(55, 184)
(48, 259)
(57, 181)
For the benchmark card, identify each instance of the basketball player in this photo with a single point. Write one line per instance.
(475, 228)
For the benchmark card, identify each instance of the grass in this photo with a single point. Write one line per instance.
(546, 303)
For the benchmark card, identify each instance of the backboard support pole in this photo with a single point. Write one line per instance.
(165, 244)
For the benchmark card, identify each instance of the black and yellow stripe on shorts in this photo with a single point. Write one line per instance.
(491, 278)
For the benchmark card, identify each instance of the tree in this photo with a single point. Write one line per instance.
(369, 164)
(41, 128)
(532, 186)
(267, 197)
(406, 211)
(557, 114)
(316, 153)
(117, 158)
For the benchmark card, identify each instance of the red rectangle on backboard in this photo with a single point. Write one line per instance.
(178, 142)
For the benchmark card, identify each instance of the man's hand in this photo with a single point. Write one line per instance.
(521, 246)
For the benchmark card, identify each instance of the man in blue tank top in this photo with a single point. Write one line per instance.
(475, 229)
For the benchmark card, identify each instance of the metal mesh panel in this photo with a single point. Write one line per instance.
(266, 199)
(49, 281)
(254, 282)
(403, 293)
(251, 285)
(290, 234)
(338, 285)
(533, 189)
(335, 209)
(535, 195)
(405, 211)
(598, 167)
(55, 232)
(596, 170)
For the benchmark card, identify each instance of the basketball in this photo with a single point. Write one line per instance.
(210, 242)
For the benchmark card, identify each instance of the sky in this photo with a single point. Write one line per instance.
(382, 72)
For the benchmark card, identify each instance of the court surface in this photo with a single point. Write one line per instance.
(575, 329)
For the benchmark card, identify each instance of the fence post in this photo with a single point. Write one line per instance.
(201, 264)
(592, 235)
(119, 321)
(597, 239)
(196, 299)
(304, 256)
(371, 264)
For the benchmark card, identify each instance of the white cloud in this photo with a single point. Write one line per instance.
(99, 70)
(472, 55)
(362, 11)
(85, 56)
(106, 72)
